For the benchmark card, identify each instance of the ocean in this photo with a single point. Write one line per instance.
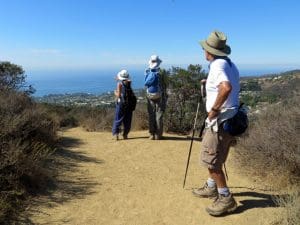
(68, 82)
(94, 82)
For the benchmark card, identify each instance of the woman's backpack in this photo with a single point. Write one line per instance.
(129, 99)
(238, 124)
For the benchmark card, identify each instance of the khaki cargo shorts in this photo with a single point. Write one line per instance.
(215, 147)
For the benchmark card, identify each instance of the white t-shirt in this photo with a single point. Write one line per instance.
(219, 71)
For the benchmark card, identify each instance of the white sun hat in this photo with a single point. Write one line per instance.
(154, 61)
(123, 75)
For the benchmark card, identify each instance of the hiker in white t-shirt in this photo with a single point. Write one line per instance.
(222, 89)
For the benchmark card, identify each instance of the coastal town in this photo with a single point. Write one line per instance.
(85, 99)
(251, 92)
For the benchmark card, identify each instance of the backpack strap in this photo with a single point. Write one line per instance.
(123, 89)
(125, 86)
(241, 105)
(128, 84)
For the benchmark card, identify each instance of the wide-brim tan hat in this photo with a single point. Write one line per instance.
(216, 44)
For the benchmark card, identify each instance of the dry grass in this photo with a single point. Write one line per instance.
(27, 137)
(96, 119)
(271, 154)
(140, 118)
(271, 149)
(92, 118)
(291, 204)
(102, 119)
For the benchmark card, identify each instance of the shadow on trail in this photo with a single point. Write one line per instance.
(175, 138)
(66, 181)
(167, 138)
(256, 200)
(68, 142)
(132, 138)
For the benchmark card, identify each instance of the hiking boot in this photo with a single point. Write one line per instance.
(152, 137)
(206, 192)
(125, 136)
(222, 205)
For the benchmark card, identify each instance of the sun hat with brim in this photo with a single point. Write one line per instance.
(216, 44)
(154, 61)
(123, 75)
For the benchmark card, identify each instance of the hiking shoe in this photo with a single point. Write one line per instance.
(159, 137)
(206, 192)
(125, 136)
(222, 205)
(152, 137)
(116, 137)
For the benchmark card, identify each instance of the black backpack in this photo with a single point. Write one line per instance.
(238, 124)
(129, 99)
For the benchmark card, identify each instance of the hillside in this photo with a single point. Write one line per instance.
(139, 181)
(258, 91)
(265, 88)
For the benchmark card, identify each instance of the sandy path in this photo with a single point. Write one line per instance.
(139, 182)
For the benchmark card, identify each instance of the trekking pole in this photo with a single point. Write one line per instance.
(191, 145)
(203, 91)
(203, 96)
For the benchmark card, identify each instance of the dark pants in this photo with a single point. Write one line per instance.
(121, 117)
(156, 110)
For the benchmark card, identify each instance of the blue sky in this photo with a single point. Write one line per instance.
(90, 34)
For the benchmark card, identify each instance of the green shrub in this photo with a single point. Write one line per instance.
(250, 85)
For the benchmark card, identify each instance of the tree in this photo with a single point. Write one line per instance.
(184, 88)
(12, 77)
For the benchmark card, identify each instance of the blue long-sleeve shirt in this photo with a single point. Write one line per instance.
(152, 80)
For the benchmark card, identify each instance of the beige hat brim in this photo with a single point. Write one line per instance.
(224, 52)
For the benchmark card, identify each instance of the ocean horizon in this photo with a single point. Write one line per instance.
(97, 82)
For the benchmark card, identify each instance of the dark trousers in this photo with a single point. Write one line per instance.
(121, 117)
(156, 112)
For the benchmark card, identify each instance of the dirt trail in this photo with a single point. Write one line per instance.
(139, 182)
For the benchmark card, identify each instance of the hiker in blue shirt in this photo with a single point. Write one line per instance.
(122, 115)
(156, 97)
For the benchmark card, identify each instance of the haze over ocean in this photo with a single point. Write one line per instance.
(97, 82)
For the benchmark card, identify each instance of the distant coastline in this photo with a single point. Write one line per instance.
(98, 82)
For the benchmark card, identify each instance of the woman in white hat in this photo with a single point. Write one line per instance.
(123, 115)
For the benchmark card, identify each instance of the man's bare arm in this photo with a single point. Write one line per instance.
(224, 91)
